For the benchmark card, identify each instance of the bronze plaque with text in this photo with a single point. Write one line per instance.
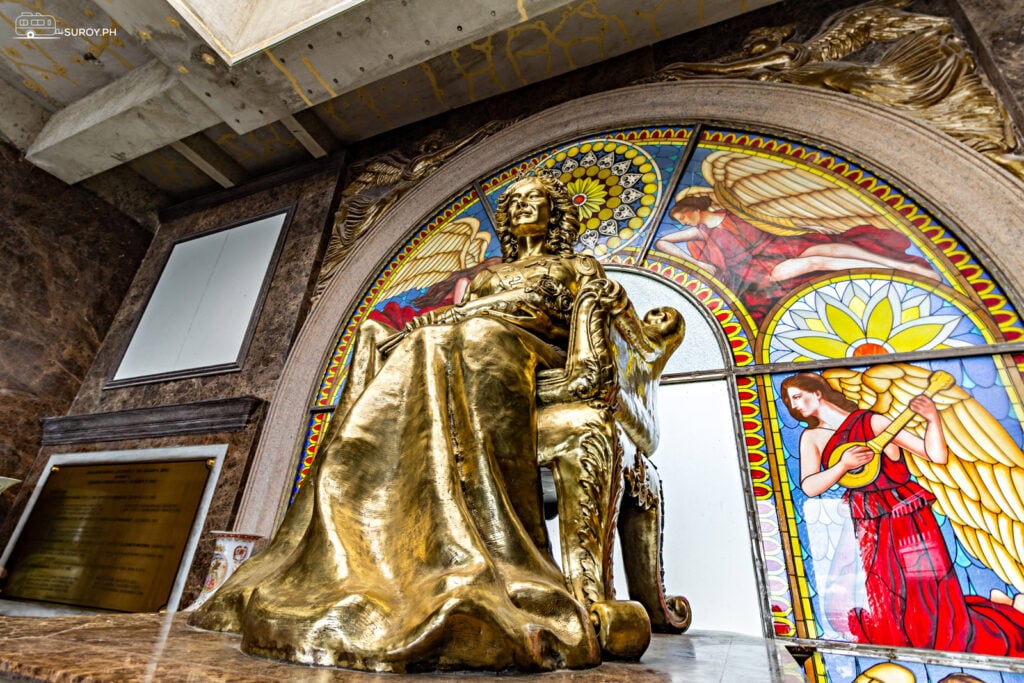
(109, 536)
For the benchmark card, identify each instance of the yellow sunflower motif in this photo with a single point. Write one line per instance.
(868, 317)
(588, 194)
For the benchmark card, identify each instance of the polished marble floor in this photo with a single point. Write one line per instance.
(149, 647)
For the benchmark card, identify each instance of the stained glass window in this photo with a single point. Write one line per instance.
(821, 299)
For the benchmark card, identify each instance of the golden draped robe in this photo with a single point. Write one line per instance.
(418, 542)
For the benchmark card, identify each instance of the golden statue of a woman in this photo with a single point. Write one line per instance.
(417, 542)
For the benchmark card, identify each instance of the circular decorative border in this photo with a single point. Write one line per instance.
(616, 186)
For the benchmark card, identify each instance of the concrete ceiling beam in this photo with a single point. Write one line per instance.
(376, 66)
(287, 66)
(311, 133)
(298, 68)
(245, 97)
(142, 111)
(211, 159)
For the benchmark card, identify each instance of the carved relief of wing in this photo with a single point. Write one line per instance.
(783, 199)
(980, 487)
(456, 246)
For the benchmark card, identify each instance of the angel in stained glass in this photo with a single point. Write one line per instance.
(443, 267)
(903, 441)
(764, 227)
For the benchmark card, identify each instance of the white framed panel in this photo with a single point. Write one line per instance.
(201, 314)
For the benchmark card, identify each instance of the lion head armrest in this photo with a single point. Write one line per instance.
(615, 358)
(642, 349)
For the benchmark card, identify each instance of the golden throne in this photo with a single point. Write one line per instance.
(597, 427)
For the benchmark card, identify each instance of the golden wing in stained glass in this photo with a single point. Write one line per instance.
(457, 245)
(786, 200)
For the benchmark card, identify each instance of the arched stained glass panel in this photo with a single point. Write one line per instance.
(759, 219)
(803, 260)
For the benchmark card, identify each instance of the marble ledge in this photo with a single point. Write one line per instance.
(150, 647)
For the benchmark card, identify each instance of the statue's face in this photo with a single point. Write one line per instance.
(529, 209)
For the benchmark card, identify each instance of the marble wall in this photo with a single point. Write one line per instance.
(181, 412)
(996, 29)
(66, 261)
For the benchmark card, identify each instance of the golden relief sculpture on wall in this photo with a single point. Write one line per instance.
(418, 542)
(913, 63)
(380, 182)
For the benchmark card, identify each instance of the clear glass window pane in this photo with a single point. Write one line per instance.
(701, 348)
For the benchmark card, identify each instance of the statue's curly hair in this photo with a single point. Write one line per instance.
(563, 226)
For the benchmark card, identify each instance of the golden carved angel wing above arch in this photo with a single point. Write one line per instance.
(980, 487)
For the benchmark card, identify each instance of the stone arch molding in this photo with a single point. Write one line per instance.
(980, 202)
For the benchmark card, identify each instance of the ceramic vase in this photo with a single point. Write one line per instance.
(231, 550)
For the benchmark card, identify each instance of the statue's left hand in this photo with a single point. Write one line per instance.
(433, 317)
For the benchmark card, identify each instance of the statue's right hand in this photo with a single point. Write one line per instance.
(855, 457)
